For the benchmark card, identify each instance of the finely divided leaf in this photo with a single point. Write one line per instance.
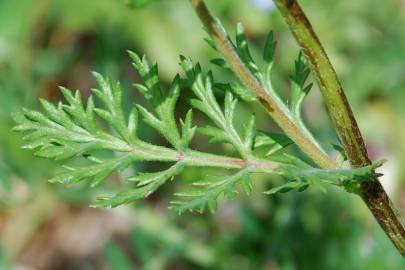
(152, 90)
(97, 173)
(147, 183)
(66, 131)
(298, 88)
(272, 141)
(243, 50)
(238, 90)
(207, 196)
(164, 104)
(287, 187)
(202, 86)
(303, 176)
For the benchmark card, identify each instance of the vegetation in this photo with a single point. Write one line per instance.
(103, 135)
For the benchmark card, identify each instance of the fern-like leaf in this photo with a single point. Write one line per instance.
(208, 193)
(104, 139)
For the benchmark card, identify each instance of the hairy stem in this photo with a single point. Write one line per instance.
(335, 99)
(272, 105)
(342, 116)
(201, 159)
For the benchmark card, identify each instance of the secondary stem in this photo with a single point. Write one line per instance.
(342, 116)
(149, 152)
(284, 120)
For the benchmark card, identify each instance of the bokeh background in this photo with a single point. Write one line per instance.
(48, 43)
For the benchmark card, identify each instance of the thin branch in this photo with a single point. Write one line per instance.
(199, 159)
(342, 116)
(276, 109)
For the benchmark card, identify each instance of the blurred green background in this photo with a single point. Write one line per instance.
(48, 43)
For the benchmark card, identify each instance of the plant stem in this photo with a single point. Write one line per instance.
(272, 105)
(335, 99)
(201, 159)
(342, 116)
(196, 158)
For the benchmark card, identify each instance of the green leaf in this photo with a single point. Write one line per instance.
(250, 133)
(230, 106)
(68, 136)
(111, 96)
(103, 139)
(216, 135)
(207, 197)
(97, 173)
(81, 115)
(152, 90)
(239, 90)
(210, 42)
(287, 187)
(269, 52)
(147, 183)
(268, 57)
(143, 179)
(243, 50)
(263, 75)
(220, 62)
(72, 130)
(298, 88)
(187, 129)
(302, 176)
(225, 131)
(164, 104)
(274, 141)
(337, 176)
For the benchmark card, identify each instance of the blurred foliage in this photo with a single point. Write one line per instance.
(48, 43)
